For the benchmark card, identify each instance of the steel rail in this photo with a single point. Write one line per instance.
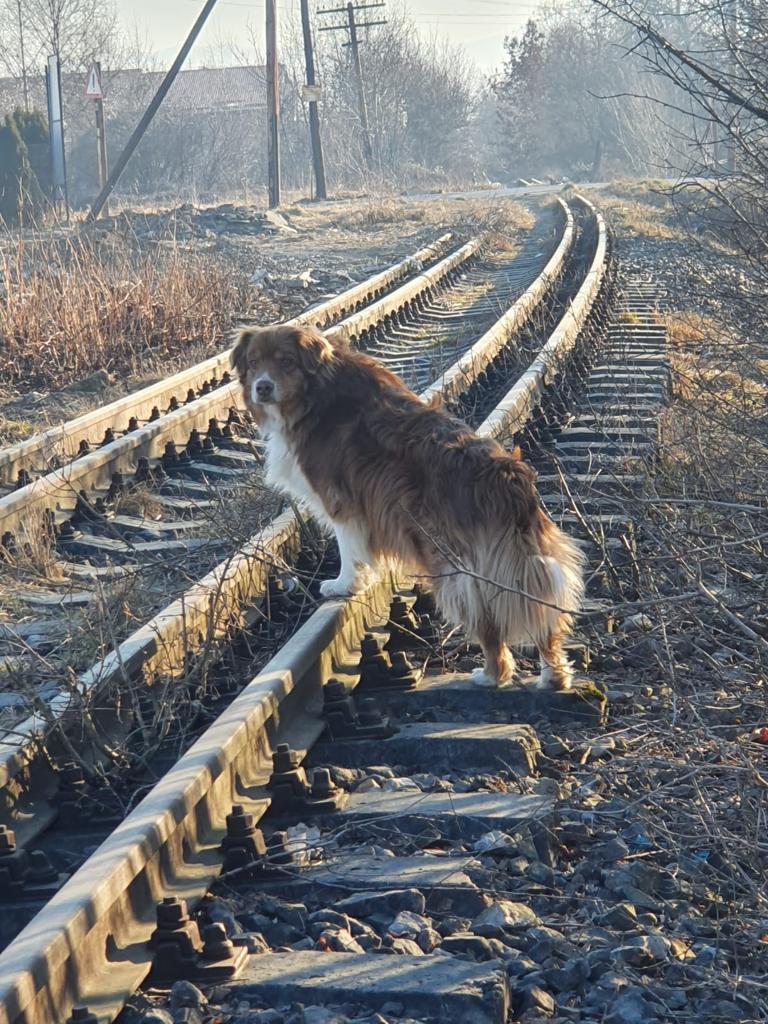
(518, 404)
(59, 488)
(64, 438)
(88, 945)
(487, 347)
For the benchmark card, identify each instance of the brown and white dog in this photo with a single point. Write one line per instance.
(407, 483)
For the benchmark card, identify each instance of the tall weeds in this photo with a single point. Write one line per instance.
(68, 307)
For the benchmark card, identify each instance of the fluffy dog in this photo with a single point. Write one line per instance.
(403, 482)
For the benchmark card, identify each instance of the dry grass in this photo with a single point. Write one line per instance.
(641, 217)
(714, 431)
(68, 307)
(139, 501)
(374, 212)
(371, 212)
(651, 191)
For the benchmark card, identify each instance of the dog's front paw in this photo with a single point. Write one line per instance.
(339, 587)
(481, 678)
(549, 680)
(343, 586)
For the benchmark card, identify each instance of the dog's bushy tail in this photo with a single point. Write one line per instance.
(561, 582)
(529, 584)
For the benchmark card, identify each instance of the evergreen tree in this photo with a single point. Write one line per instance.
(21, 197)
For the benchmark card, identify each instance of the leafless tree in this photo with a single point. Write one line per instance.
(421, 95)
(79, 31)
(714, 58)
(569, 102)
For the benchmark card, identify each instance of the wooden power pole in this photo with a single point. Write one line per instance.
(273, 107)
(352, 26)
(24, 83)
(321, 191)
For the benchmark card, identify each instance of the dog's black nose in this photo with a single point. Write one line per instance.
(264, 388)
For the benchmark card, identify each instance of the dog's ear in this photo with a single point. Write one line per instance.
(517, 452)
(239, 354)
(314, 351)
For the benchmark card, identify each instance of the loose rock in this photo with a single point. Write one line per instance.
(184, 993)
(502, 917)
(391, 903)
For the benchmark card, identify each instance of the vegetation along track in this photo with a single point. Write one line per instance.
(286, 708)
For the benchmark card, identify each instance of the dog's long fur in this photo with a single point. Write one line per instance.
(405, 482)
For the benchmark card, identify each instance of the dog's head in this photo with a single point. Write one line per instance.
(278, 365)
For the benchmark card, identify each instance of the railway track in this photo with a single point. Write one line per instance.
(91, 511)
(580, 389)
(178, 629)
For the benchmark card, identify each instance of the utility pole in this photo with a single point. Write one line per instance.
(24, 84)
(734, 68)
(273, 107)
(314, 116)
(352, 26)
(149, 113)
(56, 132)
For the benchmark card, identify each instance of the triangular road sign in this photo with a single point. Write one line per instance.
(93, 84)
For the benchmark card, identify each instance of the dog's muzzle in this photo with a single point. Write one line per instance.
(263, 390)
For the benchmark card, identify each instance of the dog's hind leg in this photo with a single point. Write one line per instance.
(499, 664)
(556, 671)
(356, 571)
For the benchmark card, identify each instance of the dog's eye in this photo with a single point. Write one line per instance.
(253, 364)
(285, 363)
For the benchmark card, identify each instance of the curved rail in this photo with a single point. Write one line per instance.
(518, 404)
(486, 348)
(88, 945)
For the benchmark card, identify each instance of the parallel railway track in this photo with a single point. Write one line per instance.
(520, 379)
(98, 545)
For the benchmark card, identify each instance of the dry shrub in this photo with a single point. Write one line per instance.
(456, 213)
(714, 433)
(639, 217)
(67, 307)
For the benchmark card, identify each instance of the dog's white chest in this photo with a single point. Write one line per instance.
(284, 472)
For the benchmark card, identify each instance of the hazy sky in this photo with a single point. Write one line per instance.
(478, 25)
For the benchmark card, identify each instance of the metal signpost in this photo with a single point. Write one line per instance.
(56, 130)
(95, 92)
